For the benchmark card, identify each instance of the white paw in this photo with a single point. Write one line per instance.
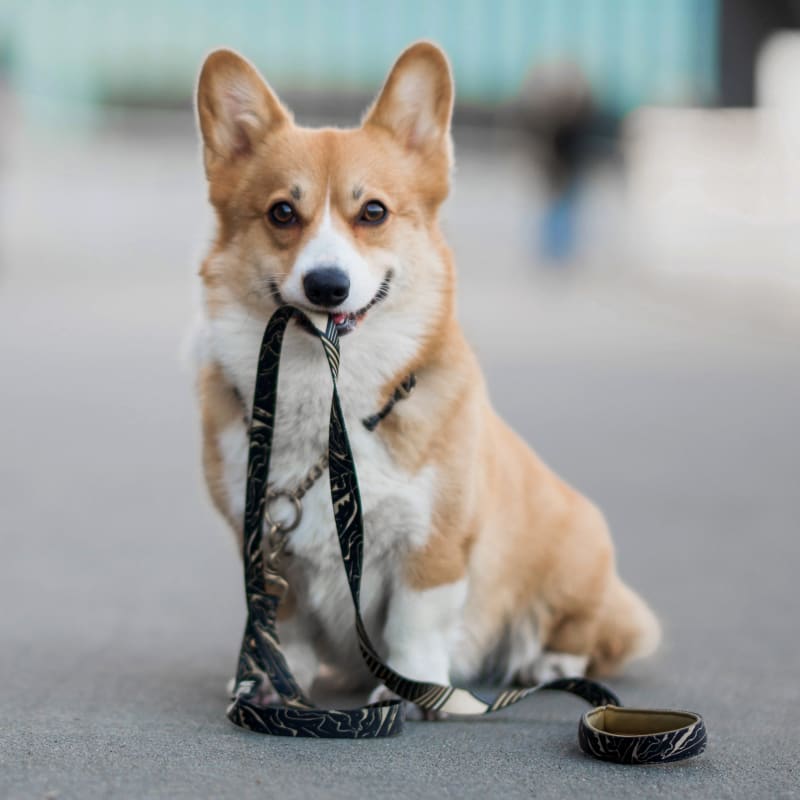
(266, 695)
(381, 694)
(550, 666)
(413, 712)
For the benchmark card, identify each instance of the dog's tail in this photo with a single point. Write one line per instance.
(628, 630)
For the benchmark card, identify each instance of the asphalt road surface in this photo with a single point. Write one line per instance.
(120, 595)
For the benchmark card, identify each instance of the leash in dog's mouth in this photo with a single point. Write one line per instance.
(345, 322)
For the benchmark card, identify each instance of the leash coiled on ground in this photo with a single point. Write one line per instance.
(261, 659)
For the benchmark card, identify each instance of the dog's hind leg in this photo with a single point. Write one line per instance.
(627, 630)
(563, 654)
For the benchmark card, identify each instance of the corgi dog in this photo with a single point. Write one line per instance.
(480, 563)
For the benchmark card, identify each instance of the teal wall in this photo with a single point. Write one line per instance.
(634, 51)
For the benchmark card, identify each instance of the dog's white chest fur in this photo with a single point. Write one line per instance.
(396, 505)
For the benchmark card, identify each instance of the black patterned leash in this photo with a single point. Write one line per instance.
(262, 663)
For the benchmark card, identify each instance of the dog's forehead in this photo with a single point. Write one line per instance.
(314, 165)
(357, 158)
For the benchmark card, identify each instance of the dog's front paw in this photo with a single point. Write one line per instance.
(265, 696)
(413, 711)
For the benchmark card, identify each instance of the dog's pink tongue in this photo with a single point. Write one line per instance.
(338, 319)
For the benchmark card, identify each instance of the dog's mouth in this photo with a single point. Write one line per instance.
(346, 322)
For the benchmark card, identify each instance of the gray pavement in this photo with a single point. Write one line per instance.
(120, 597)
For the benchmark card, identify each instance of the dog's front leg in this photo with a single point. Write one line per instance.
(420, 627)
(301, 658)
(296, 642)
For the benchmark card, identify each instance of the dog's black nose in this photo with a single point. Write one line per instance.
(326, 286)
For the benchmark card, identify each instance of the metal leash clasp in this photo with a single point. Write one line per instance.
(278, 530)
(277, 536)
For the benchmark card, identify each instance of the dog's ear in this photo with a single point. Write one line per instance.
(416, 102)
(235, 107)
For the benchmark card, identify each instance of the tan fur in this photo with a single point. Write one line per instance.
(220, 407)
(528, 543)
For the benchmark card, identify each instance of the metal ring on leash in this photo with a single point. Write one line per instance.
(283, 527)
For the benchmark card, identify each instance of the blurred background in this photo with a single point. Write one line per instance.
(626, 223)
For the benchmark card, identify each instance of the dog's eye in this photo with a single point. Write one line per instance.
(282, 214)
(373, 213)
